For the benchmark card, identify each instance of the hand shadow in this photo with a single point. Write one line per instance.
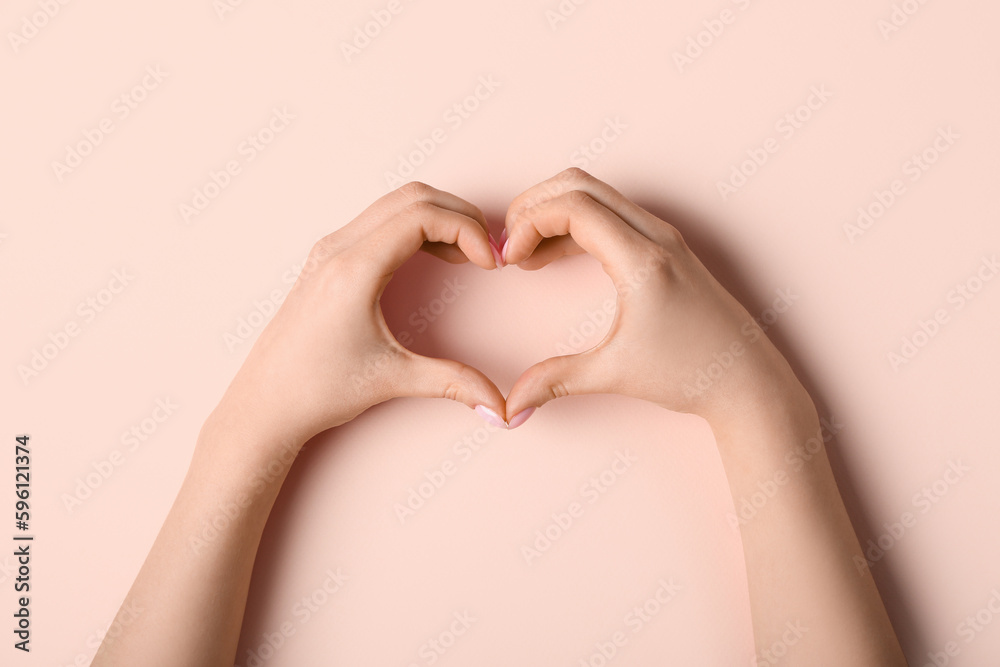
(712, 250)
(419, 281)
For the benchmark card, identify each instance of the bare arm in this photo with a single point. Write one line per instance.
(325, 357)
(808, 600)
(192, 589)
(674, 326)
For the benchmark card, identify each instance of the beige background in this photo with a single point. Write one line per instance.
(605, 77)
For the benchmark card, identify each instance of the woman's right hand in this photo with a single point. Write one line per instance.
(678, 338)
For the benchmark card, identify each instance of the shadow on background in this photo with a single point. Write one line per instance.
(419, 281)
(725, 266)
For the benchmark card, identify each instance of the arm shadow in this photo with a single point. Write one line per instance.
(717, 255)
(415, 282)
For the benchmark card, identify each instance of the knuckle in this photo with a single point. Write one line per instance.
(672, 238)
(323, 249)
(578, 199)
(461, 376)
(419, 208)
(574, 175)
(415, 190)
(558, 390)
(453, 390)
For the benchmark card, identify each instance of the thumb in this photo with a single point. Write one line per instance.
(554, 378)
(446, 378)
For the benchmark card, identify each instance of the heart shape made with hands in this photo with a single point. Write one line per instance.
(500, 322)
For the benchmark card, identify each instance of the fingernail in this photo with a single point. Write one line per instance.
(520, 418)
(503, 251)
(496, 255)
(490, 416)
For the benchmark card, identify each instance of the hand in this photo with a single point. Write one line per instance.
(327, 355)
(675, 326)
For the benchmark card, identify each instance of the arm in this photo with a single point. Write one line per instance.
(673, 322)
(325, 357)
(192, 588)
(807, 598)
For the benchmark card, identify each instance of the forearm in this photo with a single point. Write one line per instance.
(192, 588)
(809, 602)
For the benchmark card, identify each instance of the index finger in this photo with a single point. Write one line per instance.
(595, 228)
(393, 203)
(574, 178)
(388, 246)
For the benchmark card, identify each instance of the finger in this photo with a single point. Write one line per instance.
(549, 250)
(391, 204)
(556, 377)
(594, 227)
(386, 248)
(446, 378)
(573, 178)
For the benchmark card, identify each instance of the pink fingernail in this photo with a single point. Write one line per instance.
(520, 418)
(503, 251)
(490, 416)
(496, 255)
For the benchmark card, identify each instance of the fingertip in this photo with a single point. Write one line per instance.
(520, 418)
(491, 417)
(526, 396)
(447, 378)
(547, 380)
(484, 258)
(497, 256)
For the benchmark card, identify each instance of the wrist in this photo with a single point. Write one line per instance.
(228, 432)
(767, 418)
